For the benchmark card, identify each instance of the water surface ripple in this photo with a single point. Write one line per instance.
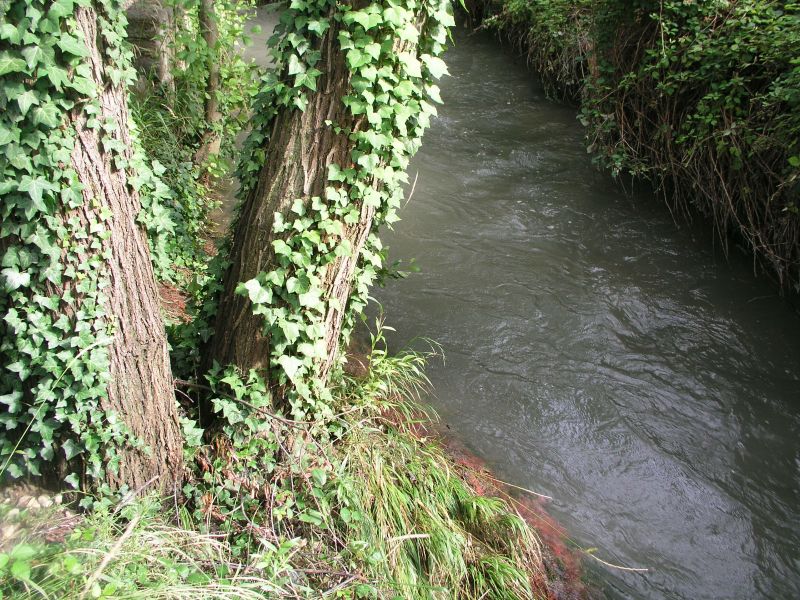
(597, 353)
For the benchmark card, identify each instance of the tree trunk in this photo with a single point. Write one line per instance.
(141, 389)
(302, 146)
(151, 31)
(210, 143)
(85, 380)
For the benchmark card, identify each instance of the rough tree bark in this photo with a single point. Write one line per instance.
(208, 25)
(151, 30)
(301, 148)
(141, 388)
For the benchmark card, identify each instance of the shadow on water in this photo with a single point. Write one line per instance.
(596, 352)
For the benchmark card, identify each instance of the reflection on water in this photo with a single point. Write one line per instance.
(595, 352)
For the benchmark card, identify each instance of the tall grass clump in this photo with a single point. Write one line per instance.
(135, 552)
(431, 535)
(405, 507)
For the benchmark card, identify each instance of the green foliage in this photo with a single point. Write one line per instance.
(130, 552)
(172, 124)
(167, 143)
(699, 97)
(54, 345)
(356, 501)
(276, 512)
(393, 63)
(703, 97)
(414, 521)
(238, 81)
(553, 34)
(56, 329)
(282, 504)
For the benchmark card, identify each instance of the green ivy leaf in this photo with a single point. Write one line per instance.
(26, 100)
(436, 66)
(257, 293)
(318, 26)
(291, 330)
(434, 93)
(35, 186)
(356, 58)
(404, 89)
(335, 173)
(229, 409)
(83, 85)
(33, 55)
(10, 32)
(311, 299)
(57, 76)
(10, 64)
(71, 448)
(291, 366)
(47, 115)
(60, 9)
(296, 65)
(15, 279)
(72, 45)
(367, 20)
(393, 15)
(445, 17)
(410, 63)
(12, 401)
(373, 49)
(281, 248)
(8, 134)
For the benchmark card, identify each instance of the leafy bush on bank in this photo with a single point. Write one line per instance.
(702, 98)
(274, 511)
(553, 35)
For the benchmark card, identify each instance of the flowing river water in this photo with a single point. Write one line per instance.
(595, 352)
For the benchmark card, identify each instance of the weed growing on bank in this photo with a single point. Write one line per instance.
(373, 511)
(700, 98)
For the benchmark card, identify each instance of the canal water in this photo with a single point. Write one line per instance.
(595, 351)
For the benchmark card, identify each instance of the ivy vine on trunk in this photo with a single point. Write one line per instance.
(334, 128)
(85, 378)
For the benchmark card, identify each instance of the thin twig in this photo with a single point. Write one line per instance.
(130, 496)
(613, 566)
(517, 487)
(410, 536)
(340, 586)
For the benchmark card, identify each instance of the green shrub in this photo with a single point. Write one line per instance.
(703, 98)
(553, 35)
(700, 97)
